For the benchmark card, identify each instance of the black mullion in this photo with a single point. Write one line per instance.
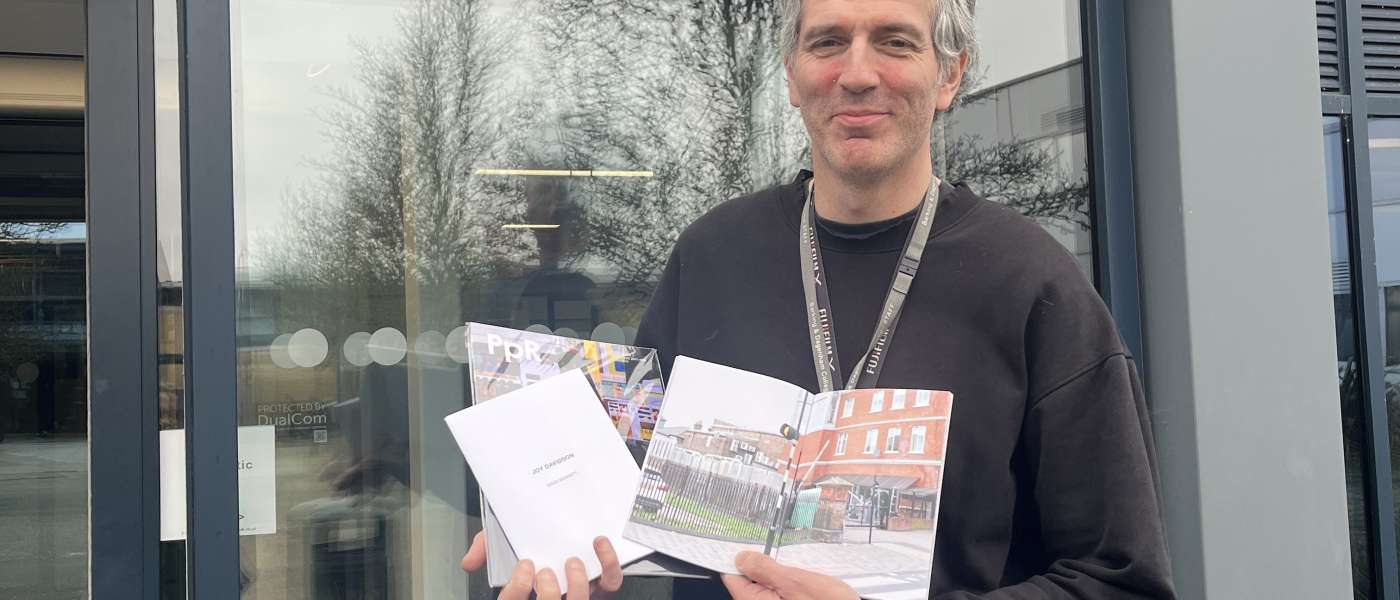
(1111, 166)
(123, 472)
(211, 400)
(1366, 302)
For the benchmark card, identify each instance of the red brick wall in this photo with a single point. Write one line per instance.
(856, 462)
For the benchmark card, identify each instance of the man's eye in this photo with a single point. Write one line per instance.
(900, 44)
(826, 43)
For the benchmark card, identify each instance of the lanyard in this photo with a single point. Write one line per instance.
(819, 324)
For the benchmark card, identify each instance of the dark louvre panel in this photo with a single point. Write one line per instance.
(1380, 35)
(1328, 46)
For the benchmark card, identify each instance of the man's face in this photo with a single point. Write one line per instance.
(865, 77)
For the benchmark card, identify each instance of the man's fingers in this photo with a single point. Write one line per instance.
(611, 579)
(577, 577)
(740, 588)
(547, 585)
(475, 558)
(522, 580)
(763, 570)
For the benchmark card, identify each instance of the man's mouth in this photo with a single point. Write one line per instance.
(858, 118)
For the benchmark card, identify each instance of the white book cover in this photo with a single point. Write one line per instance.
(551, 463)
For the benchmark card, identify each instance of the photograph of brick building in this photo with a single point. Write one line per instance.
(880, 455)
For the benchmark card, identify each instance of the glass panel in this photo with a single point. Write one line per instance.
(169, 274)
(1385, 186)
(1018, 135)
(43, 345)
(1353, 406)
(43, 303)
(405, 166)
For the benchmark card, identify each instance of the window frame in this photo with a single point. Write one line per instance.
(1356, 107)
(872, 441)
(892, 438)
(120, 33)
(920, 433)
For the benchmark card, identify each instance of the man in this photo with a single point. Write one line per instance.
(1049, 489)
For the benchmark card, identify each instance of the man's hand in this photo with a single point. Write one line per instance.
(765, 579)
(545, 583)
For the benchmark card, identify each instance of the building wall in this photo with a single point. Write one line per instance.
(817, 456)
(1240, 351)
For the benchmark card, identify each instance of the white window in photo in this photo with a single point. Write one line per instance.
(921, 398)
(897, 400)
(872, 437)
(841, 443)
(877, 401)
(848, 408)
(892, 440)
(917, 436)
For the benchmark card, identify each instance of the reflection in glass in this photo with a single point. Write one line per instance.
(1385, 186)
(1018, 135)
(403, 167)
(170, 327)
(1349, 369)
(43, 407)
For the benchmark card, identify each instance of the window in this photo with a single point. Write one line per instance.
(523, 246)
(917, 435)
(897, 400)
(849, 407)
(841, 444)
(921, 398)
(892, 440)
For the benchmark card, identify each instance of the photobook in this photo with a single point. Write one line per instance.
(845, 483)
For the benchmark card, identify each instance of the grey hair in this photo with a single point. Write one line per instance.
(954, 32)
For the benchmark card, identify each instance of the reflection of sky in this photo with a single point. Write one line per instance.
(288, 57)
(1336, 189)
(704, 392)
(1020, 38)
(1385, 186)
(66, 231)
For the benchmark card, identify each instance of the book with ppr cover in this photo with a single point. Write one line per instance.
(627, 384)
(846, 483)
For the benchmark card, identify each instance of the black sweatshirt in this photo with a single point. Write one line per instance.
(1050, 488)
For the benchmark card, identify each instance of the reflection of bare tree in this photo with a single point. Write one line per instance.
(396, 201)
(1027, 176)
(688, 90)
(692, 91)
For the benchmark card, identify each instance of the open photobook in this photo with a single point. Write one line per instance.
(845, 483)
(626, 383)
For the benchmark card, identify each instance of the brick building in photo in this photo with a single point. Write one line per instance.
(888, 447)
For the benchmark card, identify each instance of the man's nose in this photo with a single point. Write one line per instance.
(859, 74)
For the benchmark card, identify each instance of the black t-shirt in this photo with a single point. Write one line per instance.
(1049, 489)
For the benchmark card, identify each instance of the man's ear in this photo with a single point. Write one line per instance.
(793, 98)
(952, 80)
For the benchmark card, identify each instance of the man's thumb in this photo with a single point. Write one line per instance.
(762, 569)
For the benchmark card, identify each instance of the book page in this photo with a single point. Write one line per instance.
(557, 474)
(869, 471)
(716, 471)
